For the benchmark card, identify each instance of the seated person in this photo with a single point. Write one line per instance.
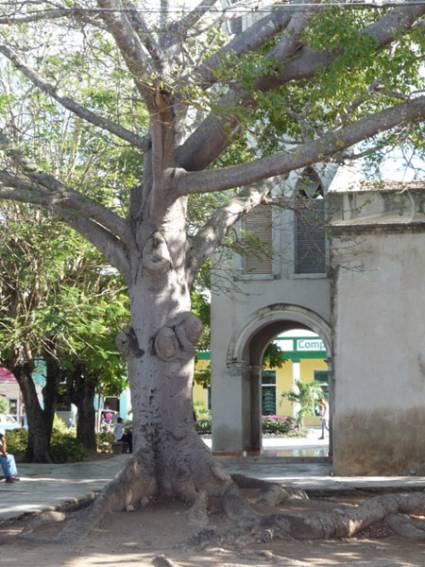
(7, 462)
(118, 429)
(124, 435)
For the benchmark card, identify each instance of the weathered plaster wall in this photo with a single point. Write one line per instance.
(230, 314)
(236, 298)
(379, 362)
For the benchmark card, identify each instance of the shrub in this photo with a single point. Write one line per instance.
(275, 424)
(59, 425)
(203, 426)
(65, 448)
(201, 411)
(4, 405)
(17, 441)
(104, 441)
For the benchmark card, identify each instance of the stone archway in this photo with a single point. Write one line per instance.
(245, 354)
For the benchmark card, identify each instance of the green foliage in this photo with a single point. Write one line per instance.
(201, 307)
(202, 375)
(60, 426)
(17, 441)
(4, 405)
(273, 356)
(201, 411)
(64, 447)
(307, 395)
(45, 272)
(104, 441)
(203, 418)
(278, 425)
(204, 426)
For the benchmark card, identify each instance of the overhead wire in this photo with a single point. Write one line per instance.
(292, 7)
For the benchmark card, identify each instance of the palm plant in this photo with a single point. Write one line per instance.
(306, 395)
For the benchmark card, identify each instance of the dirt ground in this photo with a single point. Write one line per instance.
(168, 535)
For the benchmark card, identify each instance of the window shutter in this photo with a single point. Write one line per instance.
(259, 223)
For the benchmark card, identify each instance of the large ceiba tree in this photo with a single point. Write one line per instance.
(303, 83)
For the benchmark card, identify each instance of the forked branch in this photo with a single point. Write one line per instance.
(214, 134)
(134, 53)
(177, 31)
(305, 154)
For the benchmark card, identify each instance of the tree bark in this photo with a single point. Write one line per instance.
(38, 438)
(82, 392)
(50, 391)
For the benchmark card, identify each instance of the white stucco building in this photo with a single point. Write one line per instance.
(360, 289)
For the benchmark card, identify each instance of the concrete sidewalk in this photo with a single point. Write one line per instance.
(46, 486)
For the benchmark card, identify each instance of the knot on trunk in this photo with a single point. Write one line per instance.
(156, 256)
(128, 344)
(189, 331)
(179, 338)
(166, 344)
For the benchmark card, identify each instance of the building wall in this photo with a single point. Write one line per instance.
(379, 327)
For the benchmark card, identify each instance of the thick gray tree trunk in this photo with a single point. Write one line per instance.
(160, 346)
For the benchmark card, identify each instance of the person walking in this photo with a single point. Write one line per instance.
(324, 416)
(7, 462)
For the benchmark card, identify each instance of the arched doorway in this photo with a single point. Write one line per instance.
(246, 353)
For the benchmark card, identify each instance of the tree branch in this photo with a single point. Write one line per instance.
(215, 133)
(112, 248)
(60, 193)
(146, 37)
(16, 189)
(214, 231)
(177, 30)
(38, 15)
(306, 154)
(73, 106)
(134, 54)
(249, 40)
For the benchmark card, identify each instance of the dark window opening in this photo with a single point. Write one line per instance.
(309, 237)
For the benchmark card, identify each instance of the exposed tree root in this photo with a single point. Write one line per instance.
(271, 493)
(135, 484)
(347, 523)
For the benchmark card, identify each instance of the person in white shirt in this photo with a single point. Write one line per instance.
(118, 429)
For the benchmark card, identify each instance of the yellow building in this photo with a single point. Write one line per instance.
(303, 359)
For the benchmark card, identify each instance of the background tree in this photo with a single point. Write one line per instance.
(86, 350)
(45, 273)
(31, 272)
(306, 83)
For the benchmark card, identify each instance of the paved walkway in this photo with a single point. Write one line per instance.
(309, 446)
(46, 486)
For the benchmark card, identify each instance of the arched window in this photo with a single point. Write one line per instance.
(309, 233)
